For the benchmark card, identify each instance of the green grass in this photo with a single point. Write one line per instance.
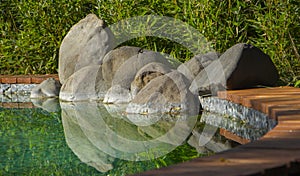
(32, 31)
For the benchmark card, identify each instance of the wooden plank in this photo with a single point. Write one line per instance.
(256, 101)
(250, 161)
(288, 119)
(239, 96)
(234, 137)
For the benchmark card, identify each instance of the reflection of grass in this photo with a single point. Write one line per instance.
(32, 142)
(32, 31)
(180, 154)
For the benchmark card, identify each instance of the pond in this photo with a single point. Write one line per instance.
(90, 138)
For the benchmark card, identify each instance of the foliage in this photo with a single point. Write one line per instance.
(31, 31)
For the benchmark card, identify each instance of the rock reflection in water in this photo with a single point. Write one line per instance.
(98, 134)
(101, 133)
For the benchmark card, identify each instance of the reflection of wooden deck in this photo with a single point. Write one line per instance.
(276, 153)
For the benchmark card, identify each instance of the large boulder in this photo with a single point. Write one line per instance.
(194, 66)
(86, 43)
(166, 94)
(48, 88)
(121, 83)
(85, 84)
(146, 74)
(241, 66)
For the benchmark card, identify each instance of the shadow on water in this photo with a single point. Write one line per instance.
(105, 137)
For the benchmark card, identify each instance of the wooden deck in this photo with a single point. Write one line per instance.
(275, 154)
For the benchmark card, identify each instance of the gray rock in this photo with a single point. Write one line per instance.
(114, 59)
(194, 66)
(146, 74)
(241, 66)
(165, 94)
(86, 43)
(118, 95)
(121, 83)
(48, 88)
(85, 84)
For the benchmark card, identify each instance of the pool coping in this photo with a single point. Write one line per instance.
(276, 153)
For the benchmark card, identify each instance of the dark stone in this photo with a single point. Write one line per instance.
(241, 66)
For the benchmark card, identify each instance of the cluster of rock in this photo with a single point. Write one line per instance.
(91, 69)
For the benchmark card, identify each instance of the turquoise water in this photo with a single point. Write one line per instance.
(92, 139)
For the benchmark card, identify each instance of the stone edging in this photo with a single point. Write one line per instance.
(11, 86)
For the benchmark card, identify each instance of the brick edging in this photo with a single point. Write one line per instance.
(26, 79)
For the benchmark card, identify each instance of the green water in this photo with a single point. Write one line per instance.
(37, 142)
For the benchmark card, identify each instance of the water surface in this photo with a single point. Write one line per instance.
(89, 138)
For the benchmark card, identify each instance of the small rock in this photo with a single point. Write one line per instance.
(48, 88)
